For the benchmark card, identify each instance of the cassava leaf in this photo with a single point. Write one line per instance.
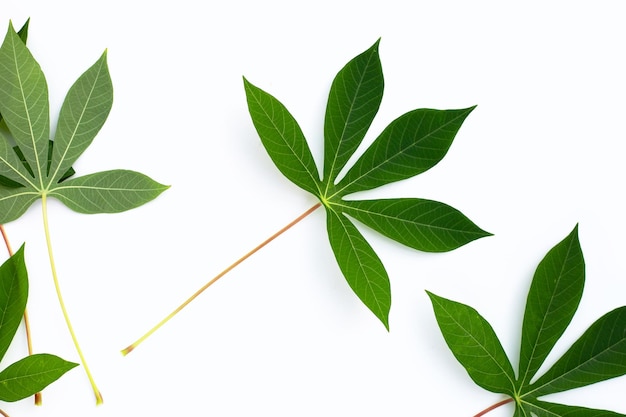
(353, 101)
(13, 295)
(283, 139)
(107, 192)
(31, 375)
(410, 145)
(425, 225)
(474, 343)
(360, 265)
(37, 167)
(554, 295)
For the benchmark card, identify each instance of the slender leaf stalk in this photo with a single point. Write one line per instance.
(29, 341)
(131, 347)
(493, 407)
(57, 287)
(4, 414)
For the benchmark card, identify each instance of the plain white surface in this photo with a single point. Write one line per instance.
(283, 334)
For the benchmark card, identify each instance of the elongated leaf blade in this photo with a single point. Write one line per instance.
(542, 408)
(475, 345)
(599, 354)
(421, 224)
(24, 101)
(410, 145)
(354, 99)
(554, 295)
(31, 375)
(82, 115)
(108, 191)
(13, 296)
(360, 265)
(282, 138)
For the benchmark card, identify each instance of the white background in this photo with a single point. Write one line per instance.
(283, 334)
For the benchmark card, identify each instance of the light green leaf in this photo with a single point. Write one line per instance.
(31, 375)
(360, 265)
(83, 113)
(107, 192)
(553, 298)
(474, 343)
(410, 145)
(11, 167)
(24, 100)
(353, 101)
(282, 138)
(421, 224)
(13, 296)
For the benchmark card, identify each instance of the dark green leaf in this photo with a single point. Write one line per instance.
(475, 345)
(420, 224)
(283, 139)
(31, 375)
(553, 298)
(410, 145)
(353, 101)
(360, 265)
(542, 408)
(599, 354)
(13, 296)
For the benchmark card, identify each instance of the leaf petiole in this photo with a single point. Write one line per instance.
(29, 340)
(96, 391)
(493, 407)
(131, 347)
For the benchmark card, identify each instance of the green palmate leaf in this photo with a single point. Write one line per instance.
(37, 167)
(554, 295)
(360, 265)
(410, 145)
(552, 301)
(13, 295)
(425, 225)
(31, 375)
(474, 343)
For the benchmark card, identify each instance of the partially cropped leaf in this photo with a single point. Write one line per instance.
(31, 375)
(555, 292)
(13, 295)
(410, 145)
(38, 167)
